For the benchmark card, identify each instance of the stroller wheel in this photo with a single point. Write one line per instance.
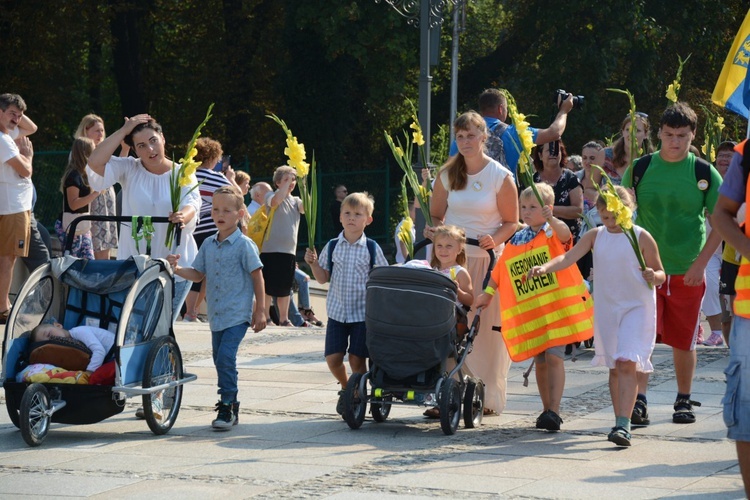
(35, 414)
(13, 411)
(473, 403)
(355, 401)
(380, 411)
(450, 406)
(163, 365)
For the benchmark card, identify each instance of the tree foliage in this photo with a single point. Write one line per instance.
(341, 71)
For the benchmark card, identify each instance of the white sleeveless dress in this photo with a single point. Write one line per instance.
(624, 305)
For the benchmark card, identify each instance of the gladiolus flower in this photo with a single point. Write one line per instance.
(672, 91)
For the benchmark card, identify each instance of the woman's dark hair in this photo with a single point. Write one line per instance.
(152, 124)
(536, 155)
(618, 148)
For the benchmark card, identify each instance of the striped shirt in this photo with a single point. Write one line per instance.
(210, 181)
(351, 266)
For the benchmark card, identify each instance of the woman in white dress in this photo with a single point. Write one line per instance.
(146, 191)
(476, 193)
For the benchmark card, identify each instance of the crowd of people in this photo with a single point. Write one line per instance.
(672, 193)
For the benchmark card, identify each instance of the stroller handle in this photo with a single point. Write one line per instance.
(71, 230)
(469, 241)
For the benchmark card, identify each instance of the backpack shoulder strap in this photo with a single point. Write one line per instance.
(331, 247)
(639, 169)
(703, 173)
(371, 244)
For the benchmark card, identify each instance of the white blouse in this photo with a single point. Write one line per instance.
(146, 193)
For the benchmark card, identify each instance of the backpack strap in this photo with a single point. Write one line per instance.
(639, 169)
(371, 248)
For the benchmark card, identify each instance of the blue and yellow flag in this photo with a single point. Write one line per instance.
(733, 87)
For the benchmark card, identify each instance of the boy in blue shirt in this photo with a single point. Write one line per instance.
(346, 295)
(230, 263)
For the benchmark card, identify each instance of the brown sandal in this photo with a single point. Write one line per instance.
(433, 412)
(309, 315)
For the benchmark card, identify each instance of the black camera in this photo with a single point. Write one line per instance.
(561, 95)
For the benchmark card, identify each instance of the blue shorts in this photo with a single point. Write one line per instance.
(340, 335)
(737, 398)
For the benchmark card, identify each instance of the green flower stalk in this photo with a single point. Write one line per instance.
(525, 164)
(623, 216)
(673, 89)
(184, 177)
(295, 152)
(404, 234)
(713, 129)
(402, 152)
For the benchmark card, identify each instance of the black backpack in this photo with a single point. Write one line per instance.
(371, 244)
(494, 144)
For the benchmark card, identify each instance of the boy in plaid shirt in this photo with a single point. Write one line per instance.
(348, 270)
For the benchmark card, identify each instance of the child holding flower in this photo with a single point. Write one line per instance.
(624, 301)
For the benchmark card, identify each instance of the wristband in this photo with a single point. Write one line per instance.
(489, 290)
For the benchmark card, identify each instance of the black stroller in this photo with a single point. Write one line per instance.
(132, 299)
(412, 318)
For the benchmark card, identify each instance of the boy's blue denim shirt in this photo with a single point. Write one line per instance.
(229, 285)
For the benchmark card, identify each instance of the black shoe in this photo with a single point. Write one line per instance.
(640, 413)
(236, 412)
(683, 411)
(340, 403)
(549, 420)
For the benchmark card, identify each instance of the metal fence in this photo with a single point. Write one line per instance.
(50, 165)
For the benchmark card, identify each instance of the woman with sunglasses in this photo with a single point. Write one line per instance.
(617, 158)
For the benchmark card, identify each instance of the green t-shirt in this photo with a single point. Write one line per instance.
(671, 208)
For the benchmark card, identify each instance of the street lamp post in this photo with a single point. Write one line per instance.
(426, 15)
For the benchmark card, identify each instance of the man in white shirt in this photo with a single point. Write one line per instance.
(16, 193)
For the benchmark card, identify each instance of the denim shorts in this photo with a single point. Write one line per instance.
(340, 335)
(737, 398)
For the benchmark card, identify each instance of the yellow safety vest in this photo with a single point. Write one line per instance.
(545, 311)
(742, 284)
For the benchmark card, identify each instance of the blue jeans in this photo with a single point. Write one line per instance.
(737, 397)
(224, 344)
(181, 290)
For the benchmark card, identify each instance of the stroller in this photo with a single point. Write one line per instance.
(409, 348)
(130, 298)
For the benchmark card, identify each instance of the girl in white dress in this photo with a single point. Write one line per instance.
(624, 306)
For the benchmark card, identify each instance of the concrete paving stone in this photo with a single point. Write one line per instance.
(312, 345)
(289, 375)
(392, 435)
(459, 485)
(315, 454)
(582, 489)
(130, 462)
(377, 495)
(64, 485)
(185, 490)
(713, 487)
(479, 463)
(252, 468)
(713, 455)
(542, 444)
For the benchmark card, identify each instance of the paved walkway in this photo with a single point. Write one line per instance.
(290, 443)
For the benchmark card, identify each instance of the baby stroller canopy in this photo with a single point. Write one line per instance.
(410, 318)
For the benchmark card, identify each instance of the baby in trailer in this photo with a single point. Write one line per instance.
(100, 341)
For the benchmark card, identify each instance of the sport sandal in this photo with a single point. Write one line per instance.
(640, 413)
(619, 436)
(683, 411)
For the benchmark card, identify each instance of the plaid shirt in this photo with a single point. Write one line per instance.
(351, 266)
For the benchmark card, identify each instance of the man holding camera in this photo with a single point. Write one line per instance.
(503, 144)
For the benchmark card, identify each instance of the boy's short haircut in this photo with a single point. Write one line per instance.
(357, 200)
(239, 202)
(241, 176)
(545, 191)
(679, 114)
(7, 100)
(280, 172)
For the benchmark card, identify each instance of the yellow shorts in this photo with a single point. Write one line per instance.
(16, 231)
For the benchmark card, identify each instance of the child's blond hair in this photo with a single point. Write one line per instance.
(359, 200)
(624, 194)
(455, 233)
(545, 191)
